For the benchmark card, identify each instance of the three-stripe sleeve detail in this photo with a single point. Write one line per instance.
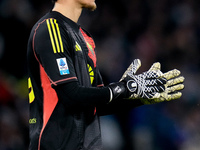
(55, 36)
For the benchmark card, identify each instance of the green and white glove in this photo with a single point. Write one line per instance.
(143, 86)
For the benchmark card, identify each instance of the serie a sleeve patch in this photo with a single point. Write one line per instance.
(63, 66)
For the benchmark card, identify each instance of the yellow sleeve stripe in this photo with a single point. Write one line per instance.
(51, 37)
(59, 36)
(55, 35)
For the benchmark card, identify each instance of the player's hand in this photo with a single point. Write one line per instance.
(172, 88)
(146, 85)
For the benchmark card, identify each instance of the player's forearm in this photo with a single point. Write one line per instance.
(72, 94)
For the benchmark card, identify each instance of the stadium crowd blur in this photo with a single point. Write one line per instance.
(167, 31)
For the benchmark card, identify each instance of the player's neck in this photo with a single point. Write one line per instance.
(68, 9)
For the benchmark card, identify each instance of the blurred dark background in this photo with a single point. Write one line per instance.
(167, 31)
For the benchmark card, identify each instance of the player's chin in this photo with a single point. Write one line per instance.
(91, 6)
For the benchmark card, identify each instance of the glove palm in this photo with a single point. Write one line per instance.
(172, 88)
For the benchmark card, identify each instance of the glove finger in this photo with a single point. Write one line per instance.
(132, 69)
(171, 74)
(155, 66)
(135, 65)
(175, 88)
(173, 96)
(175, 81)
(154, 71)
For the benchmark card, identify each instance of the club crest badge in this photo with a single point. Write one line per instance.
(63, 66)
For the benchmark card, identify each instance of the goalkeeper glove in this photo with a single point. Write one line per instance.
(144, 85)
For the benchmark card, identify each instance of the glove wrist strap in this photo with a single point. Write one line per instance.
(116, 90)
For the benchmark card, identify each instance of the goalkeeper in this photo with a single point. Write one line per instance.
(67, 94)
